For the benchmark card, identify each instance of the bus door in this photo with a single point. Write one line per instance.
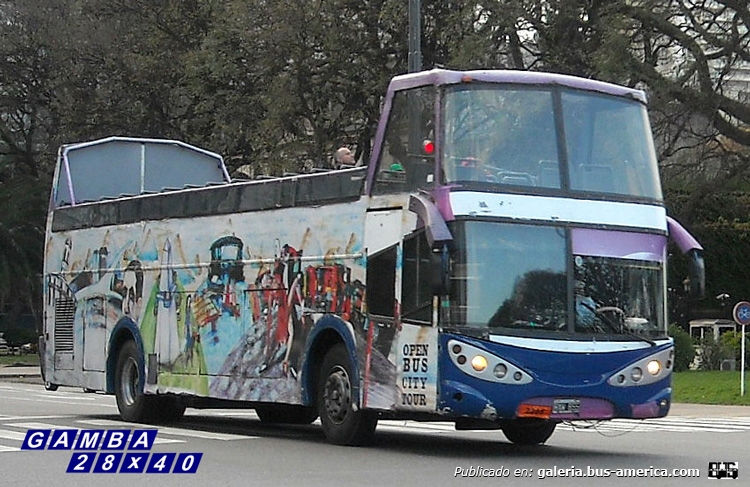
(417, 344)
(382, 234)
(400, 370)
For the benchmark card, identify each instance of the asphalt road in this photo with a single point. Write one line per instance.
(232, 447)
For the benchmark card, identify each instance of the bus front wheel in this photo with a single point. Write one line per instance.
(133, 404)
(528, 431)
(343, 423)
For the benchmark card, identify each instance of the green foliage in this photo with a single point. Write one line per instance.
(725, 246)
(708, 387)
(711, 352)
(277, 86)
(732, 340)
(684, 352)
(20, 336)
(21, 237)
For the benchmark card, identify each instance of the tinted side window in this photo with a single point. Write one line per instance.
(381, 281)
(416, 293)
(403, 165)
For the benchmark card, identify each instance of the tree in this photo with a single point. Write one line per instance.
(684, 349)
(277, 86)
(21, 237)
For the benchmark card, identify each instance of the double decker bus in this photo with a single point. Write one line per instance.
(498, 263)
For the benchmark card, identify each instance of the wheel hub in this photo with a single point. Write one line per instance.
(130, 380)
(337, 395)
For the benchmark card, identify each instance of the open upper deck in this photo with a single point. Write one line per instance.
(528, 133)
(119, 180)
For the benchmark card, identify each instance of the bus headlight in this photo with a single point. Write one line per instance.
(653, 367)
(636, 374)
(647, 370)
(479, 363)
(500, 370)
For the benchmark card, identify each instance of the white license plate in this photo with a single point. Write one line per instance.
(562, 406)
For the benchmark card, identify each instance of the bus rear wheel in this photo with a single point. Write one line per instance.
(528, 431)
(343, 423)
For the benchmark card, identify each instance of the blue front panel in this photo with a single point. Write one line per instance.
(546, 375)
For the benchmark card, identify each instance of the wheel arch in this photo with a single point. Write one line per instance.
(124, 331)
(328, 331)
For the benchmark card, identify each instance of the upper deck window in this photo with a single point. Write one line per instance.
(501, 135)
(609, 144)
(549, 138)
(114, 167)
(404, 166)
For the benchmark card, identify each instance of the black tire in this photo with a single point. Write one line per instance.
(528, 431)
(343, 423)
(286, 414)
(49, 386)
(133, 404)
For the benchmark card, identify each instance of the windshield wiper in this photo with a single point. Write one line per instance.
(615, 327)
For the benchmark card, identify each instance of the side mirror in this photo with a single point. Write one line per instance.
(439, 272)
(696, 274)
(694, 253)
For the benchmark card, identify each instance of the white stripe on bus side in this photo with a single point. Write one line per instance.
(556, 209)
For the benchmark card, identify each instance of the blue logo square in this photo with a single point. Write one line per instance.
(142, 440)
(115, 439)
(187, 462)
(107, 462)
(161, 463)
(35, 439)
(62, 439)
(134, 462)
(81, 462)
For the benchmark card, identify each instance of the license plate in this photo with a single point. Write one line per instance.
(566, 406)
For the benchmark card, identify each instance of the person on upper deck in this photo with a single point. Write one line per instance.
(344, 158)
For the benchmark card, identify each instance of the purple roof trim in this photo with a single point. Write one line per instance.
(441, 196)
(682, 237)
(447, 77)
(623, 245)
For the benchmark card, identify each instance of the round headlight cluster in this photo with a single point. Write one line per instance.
(479, 363)
(653, 367)
(485, 365)
(636, 374)
(500, 370)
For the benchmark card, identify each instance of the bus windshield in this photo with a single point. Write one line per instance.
(515, 279)
(511, 135)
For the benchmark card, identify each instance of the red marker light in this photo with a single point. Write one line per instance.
(428, 146)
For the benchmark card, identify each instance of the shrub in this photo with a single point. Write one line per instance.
(733, 341)
(19, 336)
(684, 353)
(711, 352)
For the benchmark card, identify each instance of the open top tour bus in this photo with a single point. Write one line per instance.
(498, 263)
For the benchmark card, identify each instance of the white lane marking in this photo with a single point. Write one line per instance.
(170, 431)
